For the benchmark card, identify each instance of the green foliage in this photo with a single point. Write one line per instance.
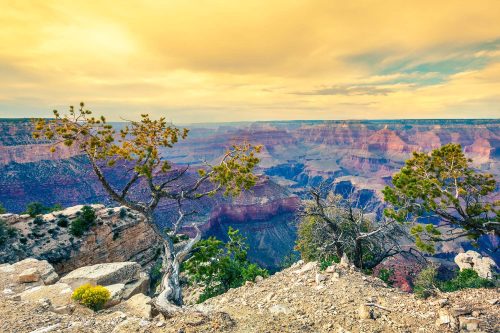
(6, 232)
(219, 266)
(386, 275)
(155, 275)
(443, 184)
(39, 220)
(36, 208)
(426, 283)
(93, 297)
(2, 209)
(123, 213)
(63, 222)
(466, 278)
(83, 223)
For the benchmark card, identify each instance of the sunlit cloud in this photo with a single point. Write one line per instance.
(198, 61)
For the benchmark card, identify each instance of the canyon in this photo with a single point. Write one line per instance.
(295, 155)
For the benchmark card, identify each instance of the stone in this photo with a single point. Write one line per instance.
(138, 305)
(320, 278)
(64, 309)
(29, 275)
(258, 278)
(306, 268)
(493, 301)
(344, 261)
(103, 274)
(135, 287)
(47, 329)
(330, 269)
(484, 266)
(365, 312)
(469, 323)
(445, 318)
(58, 294)
(116, 294)
(279, 308)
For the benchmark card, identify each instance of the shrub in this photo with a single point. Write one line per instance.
(467, 278)
(6, 232)
(93, 297)
(123, 213)
(219, 266)
(36, 208)
(326, 262)
(2, 209)
(426, 282)
(39, 220)
(386, 275)
(83, 223)
(63, 222)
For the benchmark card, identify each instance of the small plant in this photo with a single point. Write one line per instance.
(466, 278)
(36, 208)
(111, 211)
(386, 275)
(426, 283)
(123, 213)
(326, 262)
(93, 297)
(23, 240)
(6, 232)
(38, 220)
(116, 235)
(83, 223)
(63, 222)
(2, 209)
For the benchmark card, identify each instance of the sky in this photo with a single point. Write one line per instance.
(214, 61)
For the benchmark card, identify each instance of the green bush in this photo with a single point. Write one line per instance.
(326, 262)
(36, 208)
(123, 213)
(219, 266)
(83, 223)
(93, 297)
(386, 275)
(467, 278)
(426, 283)
(39, 220)
(2, 209)
(6, 232)
(63, 222)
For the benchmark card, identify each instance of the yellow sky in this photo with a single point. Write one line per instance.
(201, 60)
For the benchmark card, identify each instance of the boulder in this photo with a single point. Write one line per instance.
(29, 275)
(135, 287)
(116, 294)
(104, 274)
(138, 305)
(484, 266)
(58, 294)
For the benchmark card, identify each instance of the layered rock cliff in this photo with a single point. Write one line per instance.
(119, 234)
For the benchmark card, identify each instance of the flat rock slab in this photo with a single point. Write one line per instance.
(59, 294)
(103, 274)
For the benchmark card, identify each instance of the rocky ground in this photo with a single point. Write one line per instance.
(298, 299)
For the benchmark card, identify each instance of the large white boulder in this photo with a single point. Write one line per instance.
(484, 266)
(104, 274)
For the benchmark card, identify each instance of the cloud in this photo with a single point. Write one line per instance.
(217, 60)
(348, 91)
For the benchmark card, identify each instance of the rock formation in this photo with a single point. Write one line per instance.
(484, 266)
(119, 234)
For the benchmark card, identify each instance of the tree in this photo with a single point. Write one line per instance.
(332, 225)
(219, 266)
(2, 209)
(36, 208)
(443, 186)
(141, 146)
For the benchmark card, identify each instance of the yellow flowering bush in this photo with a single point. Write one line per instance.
(93, 297)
